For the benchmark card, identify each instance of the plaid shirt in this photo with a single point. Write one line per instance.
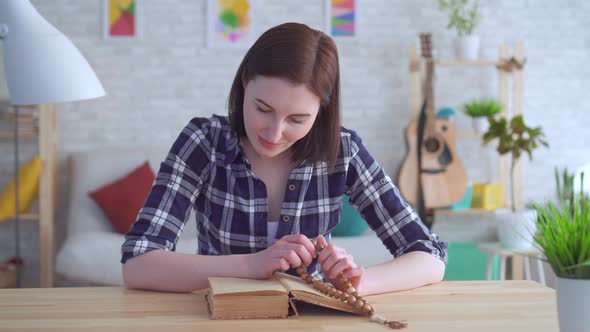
(207, 170)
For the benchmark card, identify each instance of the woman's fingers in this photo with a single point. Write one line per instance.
(292, 257)
(297, 250)
(301, 245)
(304, 241)
(322, 241)
(330, 255)
(354, 272)
(283, 264)
(341, 265)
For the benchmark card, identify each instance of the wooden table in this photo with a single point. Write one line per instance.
(448, 306)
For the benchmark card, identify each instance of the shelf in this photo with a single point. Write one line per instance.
(469, 136)
(26, 216)
(29, 216)
(39, 124)
(466, 211)
(473, 63)
(21, 133)
(27, 122)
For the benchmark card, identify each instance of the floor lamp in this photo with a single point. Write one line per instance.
(42, 66)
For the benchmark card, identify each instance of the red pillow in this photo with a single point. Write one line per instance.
(122, 199)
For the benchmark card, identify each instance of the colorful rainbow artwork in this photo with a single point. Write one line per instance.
(232, 20)
(342, 17)
(121, 18)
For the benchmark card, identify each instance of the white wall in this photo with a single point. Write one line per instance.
(156, 84)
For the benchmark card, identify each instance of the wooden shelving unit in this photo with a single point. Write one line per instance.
(466, 63)
(26, 134)
(509, 67)
(45, 131)
(467, 136)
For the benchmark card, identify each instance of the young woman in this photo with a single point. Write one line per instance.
(268, 180)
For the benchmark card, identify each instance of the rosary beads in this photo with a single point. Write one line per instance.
(349, 295)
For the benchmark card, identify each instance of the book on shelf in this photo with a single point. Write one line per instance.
(237, 298)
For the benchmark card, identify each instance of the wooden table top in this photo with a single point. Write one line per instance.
(447, 306)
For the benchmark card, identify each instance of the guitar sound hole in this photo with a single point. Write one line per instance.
(431, 145)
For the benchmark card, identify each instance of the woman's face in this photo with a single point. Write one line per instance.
(277, 114)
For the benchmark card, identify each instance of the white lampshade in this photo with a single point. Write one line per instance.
(41, 64)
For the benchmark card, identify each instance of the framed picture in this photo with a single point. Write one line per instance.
(341, 18)
(121, 19)
(230, 24)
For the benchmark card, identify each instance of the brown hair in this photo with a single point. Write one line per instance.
(301, 55)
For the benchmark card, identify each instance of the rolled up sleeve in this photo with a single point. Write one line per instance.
(168, 205)
(379, 201)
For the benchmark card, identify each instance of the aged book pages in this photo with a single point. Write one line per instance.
(235, 298)
(301, 291)
(244, 286)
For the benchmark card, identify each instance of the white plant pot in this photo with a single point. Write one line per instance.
(573, 303)
(467, 48)
(480, 124)
(516, 229)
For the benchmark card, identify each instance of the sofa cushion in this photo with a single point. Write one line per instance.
(122, 199)
(92, 169)
(95, 257)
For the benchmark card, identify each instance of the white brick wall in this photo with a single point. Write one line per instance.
(156, 84)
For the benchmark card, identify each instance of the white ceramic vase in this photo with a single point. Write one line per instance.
(480, 124)
(467, 47)
(516, 229)
(573, 304)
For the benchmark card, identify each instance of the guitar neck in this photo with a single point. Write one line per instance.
(429, 95)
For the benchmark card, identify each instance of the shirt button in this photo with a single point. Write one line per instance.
(292, 187)
(383, 181)
(286, 218)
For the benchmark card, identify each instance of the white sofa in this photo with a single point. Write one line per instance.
(90, 252)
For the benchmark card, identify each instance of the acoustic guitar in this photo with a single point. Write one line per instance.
(431, 171)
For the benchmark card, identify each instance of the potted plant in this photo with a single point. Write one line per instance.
(564, 185)
(479, 110)
(563, 235)
(463, 17)
(514, 137)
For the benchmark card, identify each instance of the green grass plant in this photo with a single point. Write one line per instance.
(482, 108)
(563, 234)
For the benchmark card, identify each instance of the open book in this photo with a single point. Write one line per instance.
(236, 298)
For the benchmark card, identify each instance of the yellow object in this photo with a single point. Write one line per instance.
(488, 196)
(28, 185)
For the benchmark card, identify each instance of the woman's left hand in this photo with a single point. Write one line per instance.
(335, 260)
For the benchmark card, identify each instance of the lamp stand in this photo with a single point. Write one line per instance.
(16, 201)
(48, 138)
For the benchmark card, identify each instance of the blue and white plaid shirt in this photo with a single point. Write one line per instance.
(207, 170)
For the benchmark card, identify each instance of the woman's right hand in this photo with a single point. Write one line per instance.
(289, 251)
